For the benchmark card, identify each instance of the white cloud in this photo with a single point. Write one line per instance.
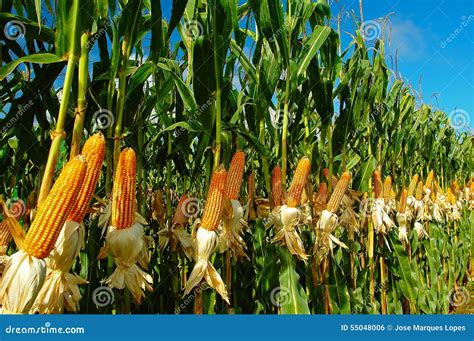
(407, 39)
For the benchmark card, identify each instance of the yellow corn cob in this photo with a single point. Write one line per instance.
(234, 175)
(179, 215)
(387, 188)
(454, 186)
(215, 200)
(377, 179)
(429, 180)
(322, 196)
(413, 183)
(251, 187)
(52, 214)
(5, 235)
(403, 201)
(333, 179)
(451, 197)
(277, 192)
(298, 182)
(123, 198)
(159, 207)
(419, 191)
(94, 151)
(338, 193)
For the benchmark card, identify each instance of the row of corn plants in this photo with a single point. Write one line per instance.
(236, 158)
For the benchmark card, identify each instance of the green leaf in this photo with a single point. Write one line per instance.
(292, 297)
(317, 39)
(38, 58)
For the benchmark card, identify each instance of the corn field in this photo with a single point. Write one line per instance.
(234, 158)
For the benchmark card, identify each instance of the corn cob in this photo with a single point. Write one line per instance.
(419, 191)
(333, 179)
(338, 193)
(299, 181)
(277, 192)
(377, 179)
(449, 194)
(234, 175)
(5, 236)
(454, 186)
(159, 207)
(251, 187)
(403, 201)
(387, 188)
(180, 217)
(123, 198)
(215, 200)
(429, 180)
(413, 183)
(94, 151)
(52, 214)
(322, 196)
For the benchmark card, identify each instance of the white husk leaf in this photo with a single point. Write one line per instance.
(22, 279)
(205, 244)
(288, 235)
(231, 236)
(61, 289)
(126, 246)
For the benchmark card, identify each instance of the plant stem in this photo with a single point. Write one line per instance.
(83, 74)
(58, 134)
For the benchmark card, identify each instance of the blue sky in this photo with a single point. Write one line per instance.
(434, 42)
